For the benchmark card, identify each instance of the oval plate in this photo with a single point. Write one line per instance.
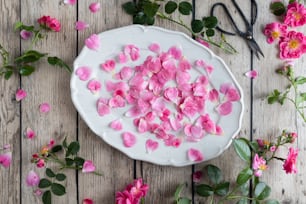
(112, 43)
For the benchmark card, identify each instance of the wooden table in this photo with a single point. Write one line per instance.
(51, 85)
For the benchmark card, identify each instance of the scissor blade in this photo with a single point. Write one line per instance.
(255, 48)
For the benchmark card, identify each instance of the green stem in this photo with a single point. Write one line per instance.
(230, 50)
(35, 39)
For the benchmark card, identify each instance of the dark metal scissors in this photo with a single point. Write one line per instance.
(248, 34)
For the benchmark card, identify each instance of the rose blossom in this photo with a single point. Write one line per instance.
(296, 15)
(259, 165)
(275, 31)
(49, 23)
(293, 45)
(290, 163)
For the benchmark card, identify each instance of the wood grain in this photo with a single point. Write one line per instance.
(49, 84)
(9, 108)
(117, 168)
(238, 63)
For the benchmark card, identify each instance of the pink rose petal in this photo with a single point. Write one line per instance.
(132, 51)
(122, 58)
(108, 65)
(20, 94)
(83, 73)
(175, 52)
(116, 125)
(154, 47)
(197, 176)
(195, 155)
(93, 42)
(126, 73)
(6, 159)
(94, 86)
(29, 133)
(81, 25)
(116, 102)
(151, 145)
(25, 34)
(94, 7)
(88, 167)
(251, 74)
(32, 179)
(225, 108)
(213, 95)
(102, 107)
(38, 192)
(88, 201)
(70, 2)
(129, 139)
(44, 108)
(171, 94)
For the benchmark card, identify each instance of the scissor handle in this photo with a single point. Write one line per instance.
(230, 18)
(253, 12)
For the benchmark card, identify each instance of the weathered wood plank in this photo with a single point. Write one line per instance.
(117, 168)
(269, 120)
(238, 63)
(9, 108)
(49, 84)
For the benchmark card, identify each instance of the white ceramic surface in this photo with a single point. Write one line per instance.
(111, 43)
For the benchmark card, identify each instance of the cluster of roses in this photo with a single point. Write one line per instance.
(292, 44)
(133, 193)
(267, 151)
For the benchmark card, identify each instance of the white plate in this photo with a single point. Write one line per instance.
(112, 43)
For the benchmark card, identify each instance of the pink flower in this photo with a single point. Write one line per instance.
(81, 25)
(6, 159)
(88, 167)
(93, 42)
(44, 108)
(51, 143)
(25, 34)
(259, 165)
(94, 7)
(20, 94)
(138, 189)
(88, 201)
(203, 42)
(293, 45)
(292, 136)
(290, 163)
(70, 2)
(274, 31)
(49, 23)
(29, 133)
(40, 163)
(125, 197)
(32, 179)
(296, 15)
(272, 148)
(197, 176)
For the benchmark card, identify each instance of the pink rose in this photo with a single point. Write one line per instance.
(296, 15)
(290, 163)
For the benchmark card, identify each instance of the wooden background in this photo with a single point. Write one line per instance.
(51, 85)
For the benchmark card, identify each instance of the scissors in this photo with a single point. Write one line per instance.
(248, 34)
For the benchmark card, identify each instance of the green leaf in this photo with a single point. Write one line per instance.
(170, 7)
(140, 18)
(60, 177)
(274, 97)
(26, 70)
(65, 143)
(178, 191)
(210, 32)
(242, 149)
(8, 74)
(50, 173)
(244, 176)
(44, 183)
(210, 22)
(197, 25)
(222, 189)
(29, 56)
(243, 201)
(300, 80)
(79, 161)
(184, 201)
(56, 148)
(69, 162)
(185, 8)
(277, 8)
(58, 189)
(73, 148)
(150, 9)
(262, 191)
(55, 61)
(46, 198)
(272, 201)
(204, 190)
(291, 1)
(18, 25)
(150, 20)
(130, 8)
(254, 146)
(244, 189)
(214, 174)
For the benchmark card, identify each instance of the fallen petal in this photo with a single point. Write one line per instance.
(195, 155)
(94, 86)
(29, 133)
(25, 34)
(108, 65)
(6, 159)
(175, 52)
(32, 179)
(251, 74)
(94, 7)
(44, 108)
(81, 25)
(213, 95)
(93, 42)
(116, 125)
(88, 167)
(225, 108)
(151, 145)
(102, 107)
(70, 2)
(154, 47)
(88, 201)
(83, 73)
(129, 139)
(20, 94)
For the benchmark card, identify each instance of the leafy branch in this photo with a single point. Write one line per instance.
(145, 12)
